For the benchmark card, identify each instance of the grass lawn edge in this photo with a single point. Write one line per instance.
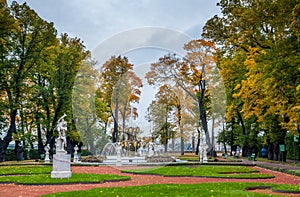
(222, 177)
(67, 181)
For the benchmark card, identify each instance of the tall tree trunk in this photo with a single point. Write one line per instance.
(167, 136)
(270, 150)
(19, 150)
(180, 130)
(204, 123)
(166, 140)
(213, 136)
(198, 142)
(39, 134)
(193, 143)
(8, 138)
(116, 130)
(245, 148)
(225, 149)
(202, 110)
(173, 144)
(181, 143)
(231, 137)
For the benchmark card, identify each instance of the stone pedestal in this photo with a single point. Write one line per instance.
(61, 165)
(47, 159)
(76, 158)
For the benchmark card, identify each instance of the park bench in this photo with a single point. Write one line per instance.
(251, 157)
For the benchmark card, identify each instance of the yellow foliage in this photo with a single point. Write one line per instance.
(229, 112)
(238, 86)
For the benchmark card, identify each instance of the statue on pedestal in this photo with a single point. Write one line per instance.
(47, 148)
(61, 160)
(61, 139)
(76, 157)
(202, 148)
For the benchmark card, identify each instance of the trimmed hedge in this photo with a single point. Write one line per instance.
(11, 156)
(292, 172)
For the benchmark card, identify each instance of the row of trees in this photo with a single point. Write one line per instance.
(119, 89)
(37, 73)
(255, 46)
(258, 58)
(44, 76)
(102, 101)
(192, 96)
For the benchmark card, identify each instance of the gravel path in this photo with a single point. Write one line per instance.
(13, 190)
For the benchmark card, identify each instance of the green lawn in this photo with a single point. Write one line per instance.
(40, 174)
(204, 171)
(25, 169)
(174, 190)
(189, 158)
(41, 179)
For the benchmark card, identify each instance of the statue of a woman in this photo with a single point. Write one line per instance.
(61, 139)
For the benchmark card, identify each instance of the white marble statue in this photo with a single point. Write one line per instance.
(61, 139)
(76, 157)
(202, 148)
(151, 149)
(47, 148)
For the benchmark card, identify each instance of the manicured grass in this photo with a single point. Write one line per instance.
(40, 174)
(41, 179)
(173, 190)
(204, 171)
(25, 169)
(291, 188)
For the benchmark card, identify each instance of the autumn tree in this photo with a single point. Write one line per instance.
(29, 38)
(83, 104)
(233, 72)
(69, 58)
(264, 33)
(190, 121)
(102, 108)
(119, 88)
(200, 61)
(130, 85)
(37, 74)
(190, 73)
(177, 97)
(160, 116)
(218, 101)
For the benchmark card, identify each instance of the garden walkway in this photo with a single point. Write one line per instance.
(13, 190)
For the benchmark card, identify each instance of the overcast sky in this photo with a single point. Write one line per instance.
(94, 21)
(142, 30)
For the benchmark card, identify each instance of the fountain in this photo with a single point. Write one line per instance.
(136, 152)
(133, 150)
(116, 153)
